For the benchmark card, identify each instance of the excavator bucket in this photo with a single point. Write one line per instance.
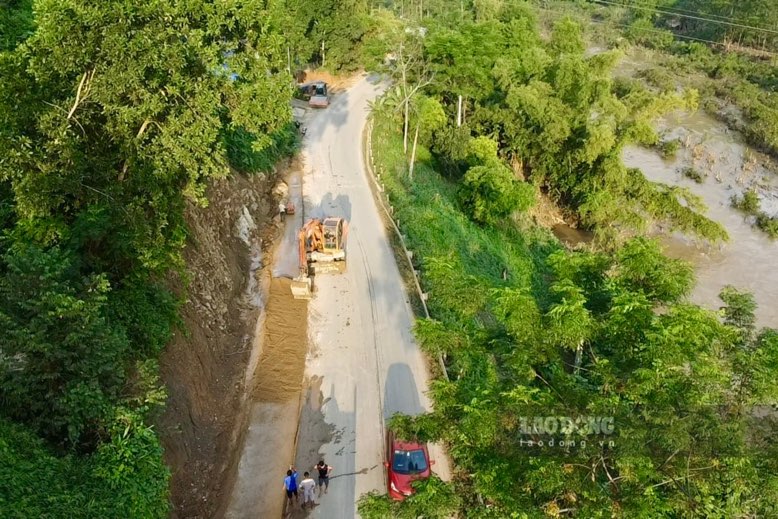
(301, 287)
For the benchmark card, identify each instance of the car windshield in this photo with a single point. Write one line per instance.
(320, 90)
(409, 462)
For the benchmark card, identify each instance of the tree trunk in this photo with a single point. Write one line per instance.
(405, 125)
(459, 112)
(413, 153)
(578, 357)
(407, 102)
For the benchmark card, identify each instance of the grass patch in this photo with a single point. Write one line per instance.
(693, 174)
(768, 224)
(669, 149)
(444, 240)
(748, 203)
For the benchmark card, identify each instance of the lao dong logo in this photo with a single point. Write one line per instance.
(566, 425)
(565, 431)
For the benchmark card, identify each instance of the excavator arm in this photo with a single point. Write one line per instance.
(302, 253)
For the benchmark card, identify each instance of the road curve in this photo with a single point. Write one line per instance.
(364, 363)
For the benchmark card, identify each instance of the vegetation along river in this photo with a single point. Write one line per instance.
(726, 167)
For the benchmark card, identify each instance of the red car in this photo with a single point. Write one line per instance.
(406, 462)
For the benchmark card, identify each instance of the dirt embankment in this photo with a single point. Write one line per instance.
(205, 364)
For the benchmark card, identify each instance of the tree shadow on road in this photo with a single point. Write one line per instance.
(401, 394)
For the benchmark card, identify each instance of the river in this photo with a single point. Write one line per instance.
(729, 167)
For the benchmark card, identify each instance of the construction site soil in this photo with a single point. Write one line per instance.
(282, 364)
(208, 366)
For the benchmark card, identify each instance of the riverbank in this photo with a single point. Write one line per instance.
(530, 331)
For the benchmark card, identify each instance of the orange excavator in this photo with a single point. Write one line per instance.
(322, 248)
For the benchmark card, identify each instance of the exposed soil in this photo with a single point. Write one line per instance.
(266, 446)
(335, 84)
(282, 364)
(205, 365)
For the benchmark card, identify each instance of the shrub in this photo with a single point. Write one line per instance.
(658, 77)
(693, 174)
(451, 146)
(643, 32)
(126, 477)
(489, 193)
(670, 148)
(748, 203)
(768, 224)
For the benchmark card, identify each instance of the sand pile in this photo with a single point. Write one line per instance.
(281, 367)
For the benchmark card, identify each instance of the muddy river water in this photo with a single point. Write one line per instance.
(749, 260)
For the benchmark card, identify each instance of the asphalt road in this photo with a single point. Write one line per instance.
(363, 364)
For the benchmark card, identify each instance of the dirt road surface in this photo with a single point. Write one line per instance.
(363, 364)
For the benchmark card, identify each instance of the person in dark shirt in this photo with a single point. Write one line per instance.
(324, 475)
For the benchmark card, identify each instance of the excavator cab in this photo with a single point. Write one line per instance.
(333, 235)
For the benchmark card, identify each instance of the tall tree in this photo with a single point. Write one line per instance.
(126, 103)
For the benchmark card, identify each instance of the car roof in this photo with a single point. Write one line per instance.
(403, 445)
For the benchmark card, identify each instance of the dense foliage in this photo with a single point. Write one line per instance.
(676, 398)
(16, 21)
(490, 193)
(113, 116)
(557, 116)
(610, 337)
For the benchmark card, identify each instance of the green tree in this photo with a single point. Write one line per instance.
(489, 193)
(429, 117)
(16, 22)
(62, 363)
(128, 113)
(432, 498)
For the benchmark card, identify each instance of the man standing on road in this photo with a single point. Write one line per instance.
(290, 485)
(324, 475)
(307, 485)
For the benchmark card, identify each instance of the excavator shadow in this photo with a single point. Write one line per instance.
(330, 205)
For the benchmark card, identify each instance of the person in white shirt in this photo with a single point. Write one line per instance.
(308, 486)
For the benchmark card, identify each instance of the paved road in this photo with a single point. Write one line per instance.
(363, 364)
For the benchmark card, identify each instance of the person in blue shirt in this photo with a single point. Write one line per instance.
(290, 485)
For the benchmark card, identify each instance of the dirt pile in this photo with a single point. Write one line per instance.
(336, 84)
(204, 366)
(282, 364)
